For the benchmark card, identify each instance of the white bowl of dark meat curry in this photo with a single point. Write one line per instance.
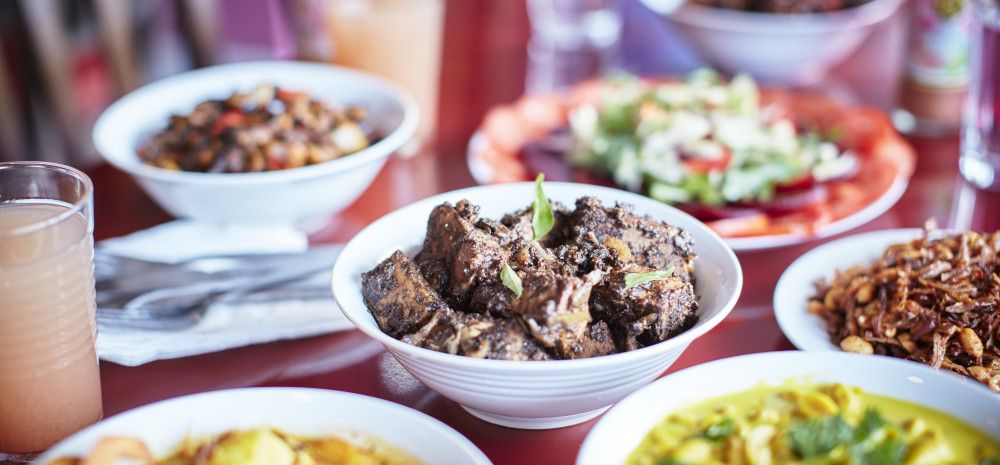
(535, 317)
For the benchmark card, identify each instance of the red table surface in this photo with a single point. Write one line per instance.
(483, 65)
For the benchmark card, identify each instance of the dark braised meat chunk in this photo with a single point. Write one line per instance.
(476, 260)
(568, 299)
(446, 227)
(647, 313)
(478, 336)
(487, 337)
(458, 256)
(398, 296)
(492, 299)
(650, 243)
(586, 253)
(596, 341)
(555, 308)
(440, 332)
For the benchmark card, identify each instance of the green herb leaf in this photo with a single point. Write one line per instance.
(720, 430)
(635, 279)
(818, 437)
(510, 279)
(870, 423)
(542, 218)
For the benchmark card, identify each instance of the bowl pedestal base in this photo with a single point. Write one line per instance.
(535, 422)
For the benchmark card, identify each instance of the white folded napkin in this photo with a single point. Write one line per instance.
(224, 326)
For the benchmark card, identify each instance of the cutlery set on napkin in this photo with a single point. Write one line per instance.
(186, 288)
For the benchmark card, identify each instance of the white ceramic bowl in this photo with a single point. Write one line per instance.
(622, 429)
(791, 49)
(541, 394)
(274, 197)
(164, 425)
(791, 295)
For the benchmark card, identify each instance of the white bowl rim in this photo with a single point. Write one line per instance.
(784, 310)
(102, 133)
(440, 427)
(724, 19)
(821, 359)
(680, 340)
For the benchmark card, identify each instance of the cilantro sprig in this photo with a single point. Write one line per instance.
(820, 436)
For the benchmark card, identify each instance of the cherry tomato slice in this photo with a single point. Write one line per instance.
(702, 165)
(228, 119)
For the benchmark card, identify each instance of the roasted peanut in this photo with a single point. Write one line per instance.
(865, 293)
(906, 341)
(832, 298)
(980, 374)
(857, 345)
(971, 342)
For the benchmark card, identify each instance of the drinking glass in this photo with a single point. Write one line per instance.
(571, 40)
(49, 381)
(980, 156)
(400, 40)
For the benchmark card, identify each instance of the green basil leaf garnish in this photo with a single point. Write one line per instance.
(635, 279)
(510, 279)
(542, 218)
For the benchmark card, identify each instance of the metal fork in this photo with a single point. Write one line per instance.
(121, 318)
(120, 278)
(180, 307)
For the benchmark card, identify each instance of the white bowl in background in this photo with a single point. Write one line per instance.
(164, 425)
(795, 287)
(534, 394)
(621, 430)
(273, 197)
(785, 49)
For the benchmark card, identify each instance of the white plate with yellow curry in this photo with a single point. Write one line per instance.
(801, 408)
(268, 426)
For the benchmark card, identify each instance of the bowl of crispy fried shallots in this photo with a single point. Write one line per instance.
(925, 295)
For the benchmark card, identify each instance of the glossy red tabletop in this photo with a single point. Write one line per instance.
(483, 66)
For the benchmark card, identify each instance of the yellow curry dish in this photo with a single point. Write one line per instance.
(258, 446)
(813, 424)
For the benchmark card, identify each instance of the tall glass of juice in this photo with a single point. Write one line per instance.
(399, 40)
(49, 381)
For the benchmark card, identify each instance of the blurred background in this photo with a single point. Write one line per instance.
(63, 61)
